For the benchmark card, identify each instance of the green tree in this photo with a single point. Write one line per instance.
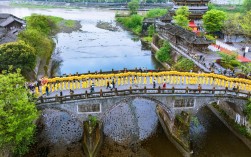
(229, 61)
(184, 10)
(17, 54)
(247, 5)
(17, 114)
(210, 6)
(181, 17)
(163, 54)
(181, 21)
(41, 43)
(134, 22)
(232, 25)
(41, 23)
(246, 68)
(153, 13)
(225, 58)
(246, 24)
(133, 6)
(213, 20)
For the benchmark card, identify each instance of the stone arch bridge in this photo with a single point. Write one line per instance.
(173, 101)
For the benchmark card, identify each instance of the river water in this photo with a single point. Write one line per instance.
(94, 49)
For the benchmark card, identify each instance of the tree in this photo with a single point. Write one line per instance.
(226, 58)
(232, 25)
(213, 20)
(41, 23)
(181, 21)
(246, 24)
(229, 61)
(153, 13)
(17, 113)
(17, 54)
(41, 43)
(246, 68)
(163, 54)
(247, 5)
(181, 17)
(184, 10)
(210, 6)
(133, 6)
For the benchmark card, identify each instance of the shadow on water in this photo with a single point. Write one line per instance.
(213, 139)
(157, 145)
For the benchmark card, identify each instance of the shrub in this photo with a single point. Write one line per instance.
(184, 64)
(163, 54)
(133, 22)
(235, 63)
(210, 37)
(150, 30)
(153, 13)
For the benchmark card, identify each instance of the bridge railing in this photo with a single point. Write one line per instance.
(182, 91)
(137, 78)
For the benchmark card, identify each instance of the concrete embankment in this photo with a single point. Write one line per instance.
(246, 141)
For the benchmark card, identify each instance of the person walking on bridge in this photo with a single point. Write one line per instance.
(154, 83)
(199, 88)
(113, 83)
(47, 90)
(107, 84)
(164, 84)
(92, 88)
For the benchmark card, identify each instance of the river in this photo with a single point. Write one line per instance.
(94, 49)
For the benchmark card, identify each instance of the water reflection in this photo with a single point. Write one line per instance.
(215, 139)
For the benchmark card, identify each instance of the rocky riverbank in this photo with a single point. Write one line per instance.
(59, 135)
(66, 28)
(107, 26)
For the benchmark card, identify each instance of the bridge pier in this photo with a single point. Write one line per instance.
(168, 126)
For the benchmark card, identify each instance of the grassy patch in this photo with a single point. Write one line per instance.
(70, 23)
(133, 23)
(60, 21)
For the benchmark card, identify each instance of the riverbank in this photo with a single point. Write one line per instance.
(238, 130)
(44, 41)
(77, 5)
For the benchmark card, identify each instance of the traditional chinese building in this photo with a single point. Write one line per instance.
(183, 38)
(196, 7)
(11, 22)
(10, 25)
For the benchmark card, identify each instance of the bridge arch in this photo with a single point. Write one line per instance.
(132, 119)
(130, 98)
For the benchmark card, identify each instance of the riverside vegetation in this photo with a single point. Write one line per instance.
(17, 107)
(18, 114)
(134, 23)
(34, 44)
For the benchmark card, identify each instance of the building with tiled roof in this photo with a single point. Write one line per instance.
(197, 8)
(182, 37)
(10, 22)
(10, 25)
